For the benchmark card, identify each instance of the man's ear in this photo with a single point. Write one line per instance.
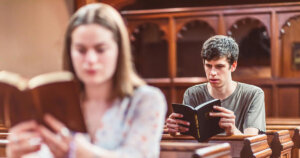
(233, 66)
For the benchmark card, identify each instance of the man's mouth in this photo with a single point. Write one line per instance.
(213, 80)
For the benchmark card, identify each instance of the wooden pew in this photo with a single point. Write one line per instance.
(294, 134)
(3, 129)
(3, 143)
(271, 121)
(241, 145)
(280, 143)
(291, 124)
(246, 146)
(195, 150)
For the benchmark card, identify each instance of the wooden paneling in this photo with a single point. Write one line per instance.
(268, 100)
(288, 101)
(281, 90)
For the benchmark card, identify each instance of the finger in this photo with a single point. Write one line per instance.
(225, 125)
(20, 138)
(173, 126)
(26, 148)
(221, 114)
(175, 115)
(222, 109)
(24, 126)
(172, 131)
(26, 143)
(225, 120)
(178, 121)
(182, 122)
(53, 123)
(183, 129)
(58, 146)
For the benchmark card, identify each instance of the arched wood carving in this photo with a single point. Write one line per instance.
(263, 18)
(290, 43)
(150, 50)
(118, 4)
(254, 44)
(189, 44)
(211, 22)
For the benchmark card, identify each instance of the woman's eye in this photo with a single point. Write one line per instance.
(100, 50)
(82, 51)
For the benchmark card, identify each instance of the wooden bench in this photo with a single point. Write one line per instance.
(291, 124)
(241, 145)
(283, 121)
(294, 134)
(280, 143)
(195, 150)
(3, 143)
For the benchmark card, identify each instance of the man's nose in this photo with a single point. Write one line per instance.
(213, 72)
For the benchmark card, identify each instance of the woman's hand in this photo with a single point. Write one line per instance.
(59, 140)
(24, 138)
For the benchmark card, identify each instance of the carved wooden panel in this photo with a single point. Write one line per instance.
(271, 71)
(189, 44)
(254, 48)
(150, 51)
(291, 47)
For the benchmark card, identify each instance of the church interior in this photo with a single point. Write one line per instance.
(166, 38)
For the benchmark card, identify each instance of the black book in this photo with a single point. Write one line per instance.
(202, 126)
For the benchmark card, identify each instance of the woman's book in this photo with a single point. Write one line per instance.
(55, 93)
(202, 126)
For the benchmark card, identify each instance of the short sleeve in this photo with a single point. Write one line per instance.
(188, 99)
(256, 114)
(146, 126)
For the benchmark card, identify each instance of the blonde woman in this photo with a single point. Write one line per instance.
(124, 116)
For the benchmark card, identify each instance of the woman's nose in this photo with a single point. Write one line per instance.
(91, 56)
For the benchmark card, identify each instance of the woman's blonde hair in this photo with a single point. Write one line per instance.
(125, 80)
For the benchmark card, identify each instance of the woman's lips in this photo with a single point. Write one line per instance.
(91, 72)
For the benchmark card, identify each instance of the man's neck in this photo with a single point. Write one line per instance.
(222, 92)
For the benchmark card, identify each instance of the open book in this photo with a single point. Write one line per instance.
(55, 93)
(202, 126)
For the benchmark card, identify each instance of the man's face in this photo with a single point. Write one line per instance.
(218, 72)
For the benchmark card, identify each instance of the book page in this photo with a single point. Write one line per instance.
(13, 79)
(48, 78)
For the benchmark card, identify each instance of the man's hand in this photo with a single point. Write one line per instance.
(174, 124)
(227, 121)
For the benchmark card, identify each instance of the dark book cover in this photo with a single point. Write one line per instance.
(54, 93)
(202, 126)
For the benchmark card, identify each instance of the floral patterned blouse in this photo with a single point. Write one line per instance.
(133, 126)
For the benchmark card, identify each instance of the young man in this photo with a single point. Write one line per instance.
(242, 108)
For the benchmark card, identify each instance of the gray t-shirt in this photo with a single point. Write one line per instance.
(247, 103)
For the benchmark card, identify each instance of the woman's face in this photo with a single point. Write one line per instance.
(94, 54)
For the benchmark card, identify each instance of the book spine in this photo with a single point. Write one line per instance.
(197, 126)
